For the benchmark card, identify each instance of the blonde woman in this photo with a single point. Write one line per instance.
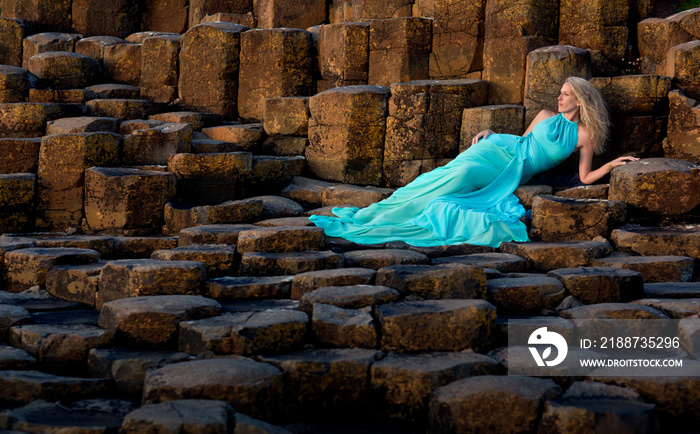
(470, 200)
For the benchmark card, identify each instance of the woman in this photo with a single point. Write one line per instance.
(470, 200)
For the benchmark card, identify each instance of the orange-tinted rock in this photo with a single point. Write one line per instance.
(560, 219)
(399, 50)
(122, 63)
(64, 70)
(198, 9)
(49, 15)
(298, 14)
(274, 63)
(683, 128)
(122, 199)
(19, 155)
(155, 145)
(12, 33)
(43, 42)
(166, 15)
(160, 67)
(61, 177)
(117, 18)
(209, 68)
(503, 119)
(683, 65)
(346, 133)
(343, 51)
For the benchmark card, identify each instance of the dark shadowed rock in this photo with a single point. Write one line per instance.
(503, 262)
(285, 264)
(253, 387)
(245, 333)
(153, 320)
(523, 294)
(282, 239)
(245, 288)
(434, 281)
(212, 234)
(601, 284)
(546, 256)
(25, 268)
(377, 259)
(12, 358)
(218, 260)
(652, 268)
(436, 325)
(349, 297)
(27, 386)
(306, 282)
(42, 416)
(186, 415)
(344, 328)
(467, 405)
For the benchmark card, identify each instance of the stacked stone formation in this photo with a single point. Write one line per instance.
(159, 161)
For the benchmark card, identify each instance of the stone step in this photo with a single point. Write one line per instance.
(457, 407)
(678, 308)
(681, 240)
(563, 219)
(436, 325)
(349, 297)
(23, 387)
(25, 268)
(546, 256)
(15, 359)
(145, 277)
(11, 316)
(79, 283)
(593, 285)
(218, 259)
(503, 262)
(287, 264)
(652, 268)
(281, 239)
(343, 328)
(521, 295)
(254, 388)
(213, 234)
(404, 383)
(376, 259)
(245, 333)
(248, 288)
(303, 283)
(434, 281)
(152, 321)
(672, 290)
(195, 415)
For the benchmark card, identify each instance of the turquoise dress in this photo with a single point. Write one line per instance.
(469, 200)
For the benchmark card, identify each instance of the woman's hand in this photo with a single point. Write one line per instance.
(621, 161)
(482, 135)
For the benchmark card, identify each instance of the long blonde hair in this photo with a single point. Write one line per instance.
(593, 113)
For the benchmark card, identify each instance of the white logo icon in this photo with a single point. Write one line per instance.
(542, 337)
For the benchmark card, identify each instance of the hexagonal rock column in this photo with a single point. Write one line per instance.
(286, 116)
(144, 277)
(251, 387)
(152, 321)
(209, 58)
(368, 10)
(274, 63)
(657, 185)
(638, 104)
(210, 178)
(287, 264)
(197, 415)
(11, 316)
(601, 284)
(424, 123)
(503, 262)
(319, 379)
(612, 311)
(122, 108)
(75, 282)
(511, 31)
(598, 26)
(43, 42)
(247, 288)
(63, 159)
(436, 325)
(49, 15)
(219, 260)
(60, 345)
(434, 281)
(505, 119)
(14, 82)
(349, 297)
(380, 258)
(19, 155)
(683, 126)
(466, 404)
(343, 55)
(281, 239)
(26, 119)
(306, 282)
(343, 328)
(160, 67)
(12, 33)
(545, 256)
(294, 14)
(547, 69)
(664, 240)
(83, 124)
(180, 216)
(559, 219)
(122, 199)
(405, 382)
(652, 268)
(155, 145)
(17, 201)
(64, 70)
(346, 134)
(245, 333)
(28, 267)
(118, 18)
(657, 36)
(27, 386)
(588, 404)
(526, 294)
(199, 9)
(399, 50)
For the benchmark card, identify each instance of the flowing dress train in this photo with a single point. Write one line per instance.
(469, 200)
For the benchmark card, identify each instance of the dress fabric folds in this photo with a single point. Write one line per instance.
(469, 200)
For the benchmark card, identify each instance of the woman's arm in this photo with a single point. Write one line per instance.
(585, 173)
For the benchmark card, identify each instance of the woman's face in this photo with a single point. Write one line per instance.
(567, 101)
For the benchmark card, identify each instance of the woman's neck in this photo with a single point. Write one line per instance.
(573, 115)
